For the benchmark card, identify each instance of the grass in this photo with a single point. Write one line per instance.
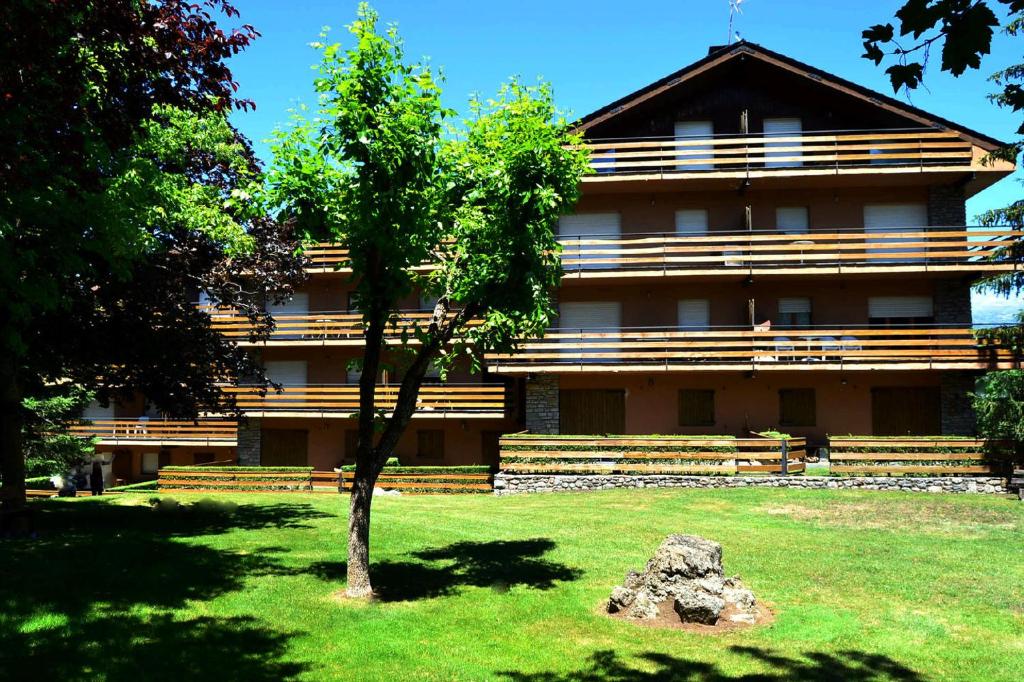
(864, 585)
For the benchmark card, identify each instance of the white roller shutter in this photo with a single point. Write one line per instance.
(794, 305)
(298, 304)
(791, 219)
(692, 221)
(287, 372)
(782, 127)
(900, 306)
(590, 315)
(893, 218)
(694, 130)
(95, 411)
(694, 314)
(590, 226)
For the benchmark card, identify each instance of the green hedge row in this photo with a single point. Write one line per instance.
(438, 470)
(144, 486)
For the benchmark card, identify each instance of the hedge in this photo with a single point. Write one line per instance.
(428, 470)
(144, 486)
(38, 483)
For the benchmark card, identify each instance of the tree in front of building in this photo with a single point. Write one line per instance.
(125, 192)
(385, 172)
(962, 32)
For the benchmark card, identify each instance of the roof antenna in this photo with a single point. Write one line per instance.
(734, 9)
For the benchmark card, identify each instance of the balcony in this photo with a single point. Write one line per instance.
(770, 252)
(448, 401)
(323, 328)
(743, 349)
(750, 157)
(160, 432)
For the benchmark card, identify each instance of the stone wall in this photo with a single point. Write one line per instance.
(953, 302)
(957, 416)
(947, 205)
(249, 442)
(542, 404)
(512, 484)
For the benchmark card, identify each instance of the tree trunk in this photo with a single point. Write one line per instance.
(12, 459)
(359, 534)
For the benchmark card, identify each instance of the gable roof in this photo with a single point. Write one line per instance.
(720, 56)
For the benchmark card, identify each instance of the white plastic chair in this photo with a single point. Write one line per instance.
(141, 424)
(783, 343)
(851, 343)
(829, 343)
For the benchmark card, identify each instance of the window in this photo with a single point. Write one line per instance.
(589, 227)
(692, 221)
(298, 304)
(696, 407)
(900, 310)
(286, 372)
(791, 219)
(787, 128)
(881, 221)
(430, 443)
(150, 462)
(797, 407)
(694, 314)
(692, 154)
(350, 302)
(794, 312)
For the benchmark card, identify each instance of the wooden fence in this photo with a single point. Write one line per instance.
(205, 432)
(234, 479)
(915, 455)
(451, 400)
(543, 454)
(429, 482)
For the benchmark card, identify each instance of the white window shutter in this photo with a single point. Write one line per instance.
(694, 314)
(298, 304)
(791, 219)
(900, 306)
(692, 221)
(782, 127)
(893, 218)
(692, 154)
(590, 226)
(794, 305)
(287, 372)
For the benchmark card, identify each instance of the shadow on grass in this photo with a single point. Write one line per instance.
(845, 666)
(500, 565)
(93, 595)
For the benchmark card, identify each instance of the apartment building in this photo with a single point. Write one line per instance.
(762, 246)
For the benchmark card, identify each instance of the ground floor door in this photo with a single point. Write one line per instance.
(912, 411)
(121, 466)
(284, 447)
(590, 411)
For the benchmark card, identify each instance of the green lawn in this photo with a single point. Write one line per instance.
(864, 586)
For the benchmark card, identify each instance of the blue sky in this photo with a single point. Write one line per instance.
(596, 51)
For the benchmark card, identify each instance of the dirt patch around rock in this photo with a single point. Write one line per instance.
(669, 619)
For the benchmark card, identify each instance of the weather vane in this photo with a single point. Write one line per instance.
(734, 9)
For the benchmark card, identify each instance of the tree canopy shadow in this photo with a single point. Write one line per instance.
(500, 565)
(93, 594)
(844, 666)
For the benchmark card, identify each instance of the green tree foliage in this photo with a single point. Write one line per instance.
(125, 193)
(999, 404)
(49, 448)
(962, 30)
(384, 170)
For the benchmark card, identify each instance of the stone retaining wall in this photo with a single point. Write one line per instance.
(512, 484)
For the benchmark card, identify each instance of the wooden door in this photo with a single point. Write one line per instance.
(911, 411)
(121, 466)
(591, 411)
(284, 448)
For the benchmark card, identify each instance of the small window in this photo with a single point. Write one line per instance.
(694, 314)
(150, 462)
(696, 407)
(350, 302)
(885, 311)
(692, 221)
(203, 458)
(430, 443)
(794, 312)
(797, 407)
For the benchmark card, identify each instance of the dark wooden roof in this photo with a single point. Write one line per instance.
(720, 56)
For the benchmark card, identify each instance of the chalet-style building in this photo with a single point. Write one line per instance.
(762, 246)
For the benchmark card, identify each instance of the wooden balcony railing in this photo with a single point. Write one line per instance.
(825, 348)
(828, 150)
(940, 249)
(339, 400)
(319, 328)
(206, 432)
